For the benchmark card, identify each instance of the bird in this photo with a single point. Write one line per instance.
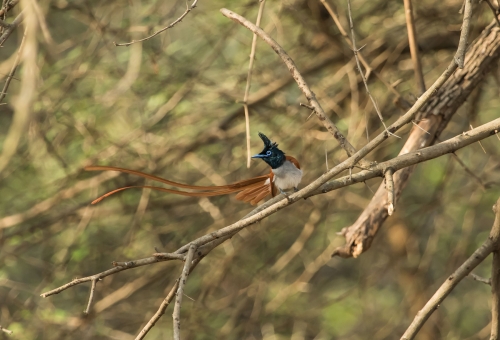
(285, 174)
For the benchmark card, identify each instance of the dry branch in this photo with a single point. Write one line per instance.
(464, 36)
(412, 40)
(176, 315)
(434, 117)
(179, 19)
(311, 97)
(249, 81)
(476, 258)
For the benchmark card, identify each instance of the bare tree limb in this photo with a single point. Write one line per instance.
(179, 19)
(118, 267)
(91, 296)
(464, 35)
(13, 69)
(311, 97)
(476, 258)
(434, 117)
(11, 27)
(176, 315)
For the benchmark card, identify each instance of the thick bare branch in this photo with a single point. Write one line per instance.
(434, 117)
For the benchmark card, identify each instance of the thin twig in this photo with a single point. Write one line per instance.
(389, 185)
(176, 315)
(163, 307)
(469, 171)
(91, 297)
(249, 79)
(118, 267)
(494, 10)
(369, 68)
(5, 330)
(179, 19)
(481, 145)
(495, 276)
(8, 7)
(13, 69)
(480, 279)
(355, 50)
(464, 35)
(412, 39)
(6, 34)
(417, 125)
(476, 258)
(311, 97)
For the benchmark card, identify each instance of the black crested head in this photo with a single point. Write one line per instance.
(271, 154)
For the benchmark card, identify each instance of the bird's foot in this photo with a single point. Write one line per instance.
(286, 195)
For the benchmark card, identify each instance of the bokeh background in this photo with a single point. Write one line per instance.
(172, 106)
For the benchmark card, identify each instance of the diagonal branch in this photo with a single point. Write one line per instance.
(179, 19)
(434, 117)
(476, 258)
(311, 98)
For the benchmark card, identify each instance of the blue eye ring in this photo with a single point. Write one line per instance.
(268, 153)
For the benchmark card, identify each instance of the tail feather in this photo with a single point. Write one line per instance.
(236, 185)
(250, 190)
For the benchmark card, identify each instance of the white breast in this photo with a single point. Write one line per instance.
(287, 176)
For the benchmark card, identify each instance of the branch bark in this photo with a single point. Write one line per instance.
(476, 258)
(434, 117)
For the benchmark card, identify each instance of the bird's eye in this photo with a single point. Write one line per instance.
(268, 153)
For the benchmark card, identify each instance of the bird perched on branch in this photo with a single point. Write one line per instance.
(285, 174)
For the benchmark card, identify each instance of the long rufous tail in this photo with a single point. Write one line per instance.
(250, 190)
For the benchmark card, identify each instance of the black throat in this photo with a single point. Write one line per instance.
(276, 159)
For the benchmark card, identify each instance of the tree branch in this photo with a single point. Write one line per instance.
(464, 35)
(412, 40)
(434, 116)
(179, 19)
(176, 315)
(311, 98)
(476, 258)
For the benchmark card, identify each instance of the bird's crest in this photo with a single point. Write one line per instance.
(267, 142)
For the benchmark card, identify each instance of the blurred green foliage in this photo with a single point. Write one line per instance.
(172, 106)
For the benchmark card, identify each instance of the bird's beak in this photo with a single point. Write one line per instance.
(258, 156)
